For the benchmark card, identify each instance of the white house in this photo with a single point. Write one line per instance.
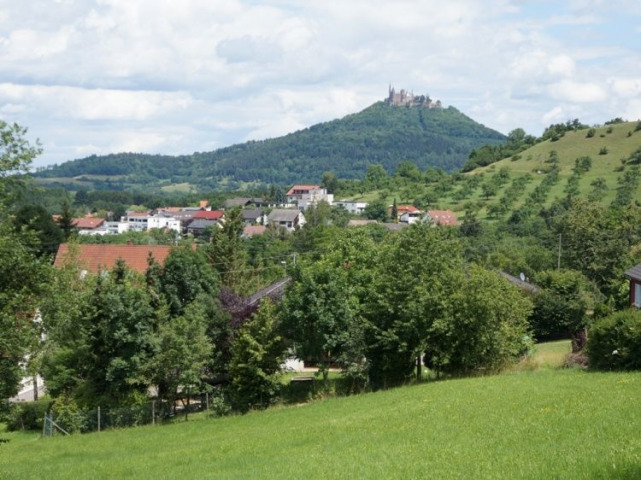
(287, 219)
(143, 221)
(307, 195)
(356, 208)
(412, 217)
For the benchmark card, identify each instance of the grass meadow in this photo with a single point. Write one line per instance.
(538, 424)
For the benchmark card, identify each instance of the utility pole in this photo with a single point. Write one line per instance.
(558, 261)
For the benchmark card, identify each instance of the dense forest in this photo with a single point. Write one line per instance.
(381, 134)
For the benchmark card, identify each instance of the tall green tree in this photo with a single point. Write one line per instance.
(185, 275)
(183, 352)
(256, 358)
(16, 156)
(488, 328)
(323, 305)
(227, 253)
(564, 306)
(36, 219)
(23, 282)
(416, 273)
(121, 328)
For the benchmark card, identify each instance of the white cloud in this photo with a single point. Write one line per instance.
(201, 74)
(633, 110)
(555, 115)
(577, 92)
(99, 104)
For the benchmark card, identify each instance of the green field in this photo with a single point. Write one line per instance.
(530, 425)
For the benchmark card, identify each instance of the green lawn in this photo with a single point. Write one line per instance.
(532, 425)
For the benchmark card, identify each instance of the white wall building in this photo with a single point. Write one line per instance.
(355, 208)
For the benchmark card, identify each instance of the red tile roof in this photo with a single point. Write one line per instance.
(138, 214)
(298, 188)
(87, 223)
(213, 215)
(169, 209)
(443, 217)
(94, 258)
(251, 230)
(401, 209)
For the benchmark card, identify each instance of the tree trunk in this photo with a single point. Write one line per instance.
(579, 340)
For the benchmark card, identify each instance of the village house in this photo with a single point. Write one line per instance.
(252, 230)
(446, 218)
(355, 208)
(198, 226)
(145, 221)
(288, 219)
(254, 217)
(86, 225)
(305, 196)
(406, 213)
(634, 276)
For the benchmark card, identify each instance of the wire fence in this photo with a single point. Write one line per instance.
(69, 421)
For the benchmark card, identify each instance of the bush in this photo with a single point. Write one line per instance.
(603, 151)
(68, 415)
(590, 133)
(28, 416)
(614, 342)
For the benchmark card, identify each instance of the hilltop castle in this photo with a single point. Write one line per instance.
(405, 98)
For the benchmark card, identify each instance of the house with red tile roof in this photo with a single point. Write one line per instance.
(306, 196)
(250, 230)
(442, 217)
(96, 258)
(297, 191)
(209, 215)
(87, 223)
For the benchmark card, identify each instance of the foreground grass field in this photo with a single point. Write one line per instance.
(548, 424)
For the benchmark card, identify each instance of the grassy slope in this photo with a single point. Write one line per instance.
(571, 146)
(546, 424)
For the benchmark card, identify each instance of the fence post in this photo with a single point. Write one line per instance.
(207, 400)
(153, 412)
(44, 425)
(98, 419)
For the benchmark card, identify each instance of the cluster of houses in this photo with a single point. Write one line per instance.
(257, 213)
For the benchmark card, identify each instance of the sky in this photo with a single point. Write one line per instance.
(176, 77)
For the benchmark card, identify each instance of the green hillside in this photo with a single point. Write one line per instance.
(496, 190)
(380, 134)
(547, 424)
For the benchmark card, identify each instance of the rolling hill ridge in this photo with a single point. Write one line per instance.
(381, 134)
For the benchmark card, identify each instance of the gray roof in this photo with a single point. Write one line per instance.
(634, 272)
(252, 214)
(237, 202)
(283, 215)
(201, 224)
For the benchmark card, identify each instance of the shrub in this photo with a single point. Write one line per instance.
(68, 415)
(590, 133)
(615, 342)
(28, 416)
(603, 151)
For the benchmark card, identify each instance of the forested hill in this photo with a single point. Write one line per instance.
(383, 134)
